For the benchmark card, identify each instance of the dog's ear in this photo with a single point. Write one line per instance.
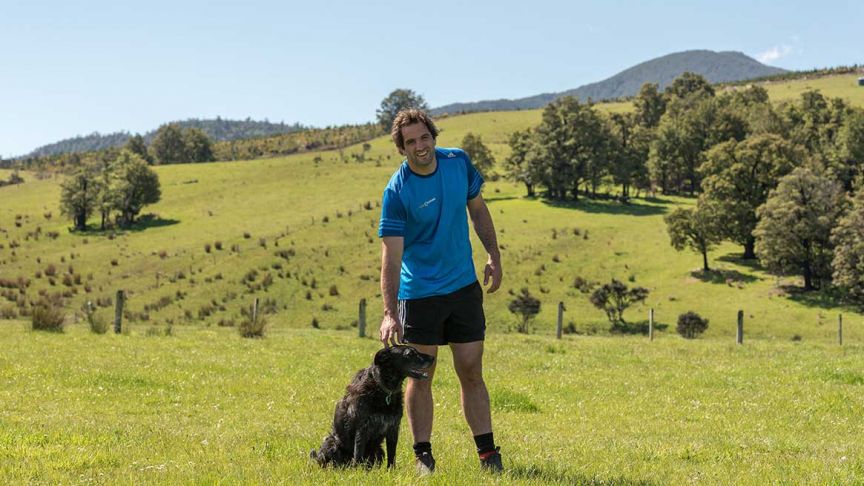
(382, 357)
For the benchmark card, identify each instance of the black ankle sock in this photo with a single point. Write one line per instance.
(421, 447)
(485, 443)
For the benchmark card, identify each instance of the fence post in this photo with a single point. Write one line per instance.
(255, 310)
(651, 324)
(840, 329)
(740, 336)
(361, 321)
(560, 327)
(118, 311)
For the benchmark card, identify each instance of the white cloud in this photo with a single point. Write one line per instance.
(773, 54)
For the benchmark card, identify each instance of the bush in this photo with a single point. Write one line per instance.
(252, 326)
(96, 322)
(614, 298)
(690, 324)
(47, 316)
(527, 306)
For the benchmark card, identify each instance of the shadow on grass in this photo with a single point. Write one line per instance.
(144, 222)
(148, 221)
(548, 474)
(738, 259)
(640, 327)
(827, 298)
(728, 277)
(599, 206)
(502, 198)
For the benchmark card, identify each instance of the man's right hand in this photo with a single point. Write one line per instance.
(391, 331)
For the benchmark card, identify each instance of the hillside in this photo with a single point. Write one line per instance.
(716, 67)
(218, 129)
(309, 222)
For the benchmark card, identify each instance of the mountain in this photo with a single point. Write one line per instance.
(716, 67)
(218, 129)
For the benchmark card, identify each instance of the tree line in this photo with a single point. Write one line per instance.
(780, 180)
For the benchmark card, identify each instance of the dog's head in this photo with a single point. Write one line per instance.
(404, 361)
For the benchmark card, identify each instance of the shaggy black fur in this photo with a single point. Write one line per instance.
(371, 410)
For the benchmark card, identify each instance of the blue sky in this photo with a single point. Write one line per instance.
(72, 67)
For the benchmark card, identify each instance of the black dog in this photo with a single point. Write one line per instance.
(371, 410)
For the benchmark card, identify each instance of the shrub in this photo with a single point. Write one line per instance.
(527, 306)
(614, 298)
(217, 245)
(96, 322)
(334, 291)
(8, 312)
(207, 247)
(252, 326)
(690, 324)
(47, 316)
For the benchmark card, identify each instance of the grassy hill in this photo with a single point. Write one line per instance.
(203, 405)
(321, 217)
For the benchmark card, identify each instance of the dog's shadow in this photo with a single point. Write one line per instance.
(545, 474)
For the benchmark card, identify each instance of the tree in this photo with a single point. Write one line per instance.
(527, 306)
(79, 195)
(480, 155)
(738, 177)
(136, 145)
(572, 140)
(689, 84)
(649, 106)
(197, 146)
(614, 298)
(793, 233)
(169, 146)
(848, 240)
(691, 324)
(695, 229)
(523, 164)
(848, 155)
(134, 185)
(395, 102)
(628, 152)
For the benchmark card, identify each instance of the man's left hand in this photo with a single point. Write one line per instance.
(493, 270)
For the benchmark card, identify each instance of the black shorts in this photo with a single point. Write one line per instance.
(452, 318)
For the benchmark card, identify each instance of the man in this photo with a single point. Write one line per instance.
(426, 262)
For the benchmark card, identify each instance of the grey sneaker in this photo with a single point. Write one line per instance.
(491, 461)
(425, 464)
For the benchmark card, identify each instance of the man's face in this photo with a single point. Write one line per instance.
(419, 145)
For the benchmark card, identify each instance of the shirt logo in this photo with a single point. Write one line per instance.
(450, 155)
(427, 203)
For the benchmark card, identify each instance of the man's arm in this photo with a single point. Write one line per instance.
(485, 230)
(391, 264)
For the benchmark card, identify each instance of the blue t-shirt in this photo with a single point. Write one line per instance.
(429, 212)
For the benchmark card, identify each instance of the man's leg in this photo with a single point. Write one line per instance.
(468, 362)
(418, 399)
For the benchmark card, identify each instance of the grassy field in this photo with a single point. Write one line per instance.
(205, 406)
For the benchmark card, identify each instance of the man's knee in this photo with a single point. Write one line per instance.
(471, 377)
(420, 386)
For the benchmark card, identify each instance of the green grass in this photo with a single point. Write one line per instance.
(206, 406)
(842, 86)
